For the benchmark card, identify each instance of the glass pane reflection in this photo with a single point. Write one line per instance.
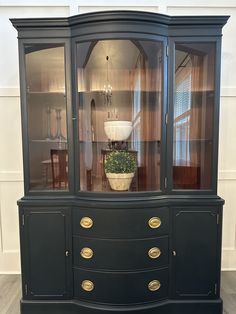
(47, 130)
(193, 115)
(119, 109)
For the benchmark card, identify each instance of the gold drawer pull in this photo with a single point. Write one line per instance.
(154, 222)
(154, 252)
(154, 285)
(86, 222)
(86, 252)
(87, 285)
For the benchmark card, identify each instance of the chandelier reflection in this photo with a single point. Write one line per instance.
(107, 89)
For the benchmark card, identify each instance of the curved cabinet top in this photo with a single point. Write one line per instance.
(98, 22)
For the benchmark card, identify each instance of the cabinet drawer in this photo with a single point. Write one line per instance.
(121, 223)
(120, 254)
(120, 288)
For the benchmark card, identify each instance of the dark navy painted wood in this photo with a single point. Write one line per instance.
(100, 21)
(120, 254)
(195, 234)
(122, 287)
(121, 224)
(165, 307)
(45, 242)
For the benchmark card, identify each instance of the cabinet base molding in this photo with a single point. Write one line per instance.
(164, 307)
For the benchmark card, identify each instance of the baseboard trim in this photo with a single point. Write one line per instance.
(229, 269)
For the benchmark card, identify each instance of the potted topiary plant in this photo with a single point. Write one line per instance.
(120, 167)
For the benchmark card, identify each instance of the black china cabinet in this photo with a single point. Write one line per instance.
(120, 114)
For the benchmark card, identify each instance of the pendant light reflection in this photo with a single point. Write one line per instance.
(107, 93)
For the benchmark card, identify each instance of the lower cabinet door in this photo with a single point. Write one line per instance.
(45, 253)
(196, 252)
(120, 287)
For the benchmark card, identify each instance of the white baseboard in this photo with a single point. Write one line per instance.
(229, 259)
(228, 269)
(10, 262)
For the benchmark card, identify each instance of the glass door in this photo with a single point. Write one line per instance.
(119, 103)
(194, 97)
(46, 109)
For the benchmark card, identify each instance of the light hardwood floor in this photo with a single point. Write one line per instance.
(10, 293)
(228, 291)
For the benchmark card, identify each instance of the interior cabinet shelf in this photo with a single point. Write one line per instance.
(195, 140)
(48, 141)
(45, 93)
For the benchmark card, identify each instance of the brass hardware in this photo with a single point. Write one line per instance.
(174, 253)
(67, 253)
(154, 252)
(86, 222)
(154, 222)
(87, 285)
(154, 285)
(86, 252)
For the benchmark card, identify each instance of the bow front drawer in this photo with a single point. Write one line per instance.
(120, 254)
(121, 223)
(121, 288)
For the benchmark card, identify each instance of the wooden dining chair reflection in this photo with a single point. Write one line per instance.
(59, 162)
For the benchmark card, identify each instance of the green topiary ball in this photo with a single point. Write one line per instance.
(119, 161)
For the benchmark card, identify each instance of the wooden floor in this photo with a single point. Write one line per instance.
(228, 291)
(10, 293)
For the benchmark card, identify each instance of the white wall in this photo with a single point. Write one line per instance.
(11, 185)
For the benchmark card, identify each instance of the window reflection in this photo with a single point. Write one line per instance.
(182, 112)
(193, 115)
(136, 134)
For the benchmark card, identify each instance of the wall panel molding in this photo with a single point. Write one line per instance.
(201, 6)
(225, 175)
(92, 3)
(11, 176)
(228, 92)
(9, 92)
(89, 8)
(35, 3)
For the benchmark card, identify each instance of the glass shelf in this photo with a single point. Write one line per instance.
(46, 93)
(49, 141)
